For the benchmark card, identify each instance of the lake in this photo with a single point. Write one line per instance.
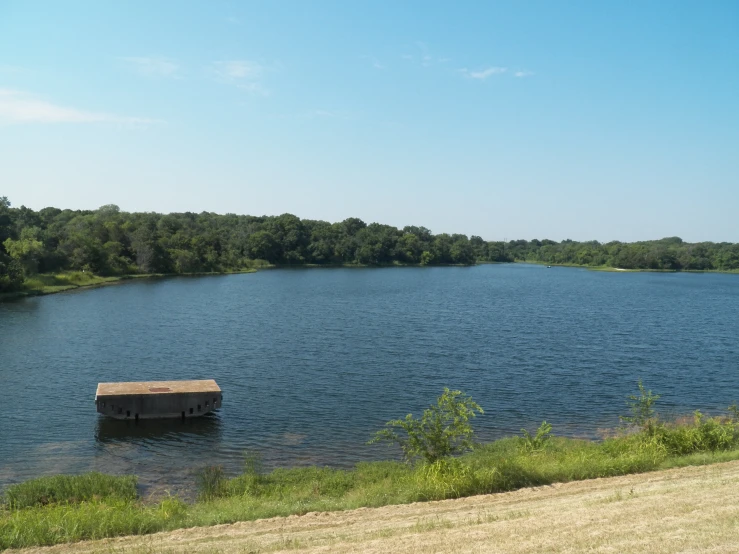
(312, 361)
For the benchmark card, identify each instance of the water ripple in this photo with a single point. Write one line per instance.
(313, 361)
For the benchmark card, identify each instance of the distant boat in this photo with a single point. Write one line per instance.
(549, 266)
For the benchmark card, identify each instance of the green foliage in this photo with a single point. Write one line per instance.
(70, 489)
(11, 274)
(537, 442)
(64, 281)
(641, 408)
(108, 241)
(443, 430)
(26, 250)
(86, 521)
(454, 478)
(494, 467)
(669, 254)
(706, 434)
(211, 482)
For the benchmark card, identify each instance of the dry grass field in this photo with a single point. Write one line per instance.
(693, 509)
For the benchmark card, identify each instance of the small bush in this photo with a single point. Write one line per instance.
(641, 407)
(70, 489)
(211, 482)
(710, 434)
(443, 430)
(536, 442)
(172, 508)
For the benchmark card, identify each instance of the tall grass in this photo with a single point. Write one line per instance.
(53, 510)
(47, 283)
(70, 489)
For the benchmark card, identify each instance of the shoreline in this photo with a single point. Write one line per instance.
(664, 511)
(610, 269)
(100, 281)
(68, 509)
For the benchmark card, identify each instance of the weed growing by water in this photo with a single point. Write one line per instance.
(537, 442)
(443, 430)
(641, 407)
(62, 509)
(61, 281)
(70, 489)
(211, 481)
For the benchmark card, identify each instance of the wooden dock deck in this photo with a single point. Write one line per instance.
(158, 399)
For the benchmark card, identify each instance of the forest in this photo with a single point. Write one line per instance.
(108, 241)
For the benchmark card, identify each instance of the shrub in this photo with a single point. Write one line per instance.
(704, 435)
(443, 430)
(641, 408)
(537, 442)
(211, 481)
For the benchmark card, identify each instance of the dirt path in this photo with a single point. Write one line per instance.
(692, 509)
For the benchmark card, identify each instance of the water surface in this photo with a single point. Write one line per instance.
(312, 361)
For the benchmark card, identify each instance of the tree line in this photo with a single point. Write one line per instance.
(108, 241)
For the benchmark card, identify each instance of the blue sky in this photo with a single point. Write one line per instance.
(583, 120)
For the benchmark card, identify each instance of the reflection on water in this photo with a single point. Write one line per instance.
(312, 363)
(206, 427)
(164, 453)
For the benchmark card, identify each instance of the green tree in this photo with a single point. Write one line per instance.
(443, 430)
(150, 256)
(409, 249)
(441, 249)
(27, 250)
(291, 236)
(352, 225)
(6, 222)
(108, 240)
(461, 251)
(263, 246)
(11, 274)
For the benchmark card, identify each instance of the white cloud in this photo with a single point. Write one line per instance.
(423, 56)
(21, 107)
(374, 61)
(254, 88)
(237, 69)
(154, 67)
(337, 115)
(246, 75)
(483, 73)
(520, 74)
(327, 113)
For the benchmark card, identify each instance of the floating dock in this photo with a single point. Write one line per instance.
(158, 399)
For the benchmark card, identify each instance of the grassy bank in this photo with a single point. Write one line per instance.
(608, 268)
(51, 283)
(691, 509)
(65, 509)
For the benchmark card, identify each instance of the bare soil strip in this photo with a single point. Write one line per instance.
(694, 509)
